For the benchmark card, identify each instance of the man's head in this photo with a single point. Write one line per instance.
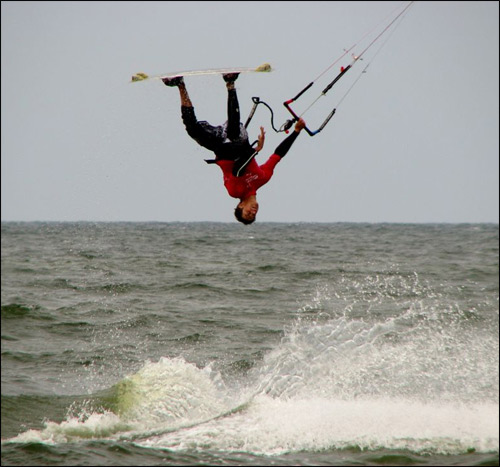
(246, 211)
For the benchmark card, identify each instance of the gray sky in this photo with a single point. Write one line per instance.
(416, 140)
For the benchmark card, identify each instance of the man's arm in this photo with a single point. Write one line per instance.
(286, 144)
(282, 149)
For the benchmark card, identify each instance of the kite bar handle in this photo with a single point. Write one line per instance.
(296, 117)
(301, 92)
(330, 115)
(287, 103)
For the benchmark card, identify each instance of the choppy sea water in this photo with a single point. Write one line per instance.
(274, 344)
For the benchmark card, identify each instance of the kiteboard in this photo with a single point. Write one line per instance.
(264, 68)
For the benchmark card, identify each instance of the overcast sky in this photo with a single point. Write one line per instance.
(416, 140)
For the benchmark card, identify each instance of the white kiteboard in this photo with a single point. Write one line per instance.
(264, 68)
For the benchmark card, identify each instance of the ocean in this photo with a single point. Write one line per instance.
(271, 344)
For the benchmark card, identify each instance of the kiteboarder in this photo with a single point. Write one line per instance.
(233, 152)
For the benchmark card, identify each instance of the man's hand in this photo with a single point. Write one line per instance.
(300, 125)
(260, 139)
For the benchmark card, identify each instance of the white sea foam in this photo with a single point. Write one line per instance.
(345, 382)
(95, 425)
(276, 426)
(404, 383)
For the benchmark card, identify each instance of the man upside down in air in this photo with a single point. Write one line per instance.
(233, 152)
